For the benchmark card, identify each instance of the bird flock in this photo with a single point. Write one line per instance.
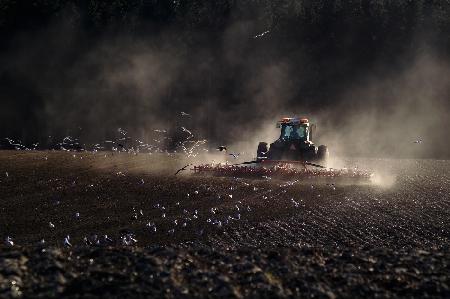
(124, 142)
(190, 147)
(225, 207)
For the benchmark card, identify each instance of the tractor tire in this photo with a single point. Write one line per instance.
(323, 154)
(262, 151)
(311, 154)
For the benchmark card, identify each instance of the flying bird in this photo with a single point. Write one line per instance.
(418, 141)
(87, 242)
(185, 114)
(107, 239)
(221, 148)
(234, 155)
(261, 34)
(67, 241)
(183, 168)
(187, 131)
(9, 241)
(122, 131)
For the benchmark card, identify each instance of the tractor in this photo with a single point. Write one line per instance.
(288, 157)
(294, 144)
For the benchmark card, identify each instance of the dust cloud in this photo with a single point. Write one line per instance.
(399, 114)
(234, 92)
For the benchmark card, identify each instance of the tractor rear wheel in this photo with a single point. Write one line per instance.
(323, 154)
(310, 154)
(262, 151)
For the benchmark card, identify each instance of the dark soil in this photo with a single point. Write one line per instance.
(137, 230)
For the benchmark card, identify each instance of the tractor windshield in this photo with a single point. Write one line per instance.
(294, 132)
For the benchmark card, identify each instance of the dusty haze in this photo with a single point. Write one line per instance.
(235, 83)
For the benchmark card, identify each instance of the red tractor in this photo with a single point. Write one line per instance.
(293, 148)
(294, 144)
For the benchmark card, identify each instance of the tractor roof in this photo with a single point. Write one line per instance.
(293, 120)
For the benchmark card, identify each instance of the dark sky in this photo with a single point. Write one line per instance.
(374, 78)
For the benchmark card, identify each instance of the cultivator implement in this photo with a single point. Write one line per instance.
(279, 169)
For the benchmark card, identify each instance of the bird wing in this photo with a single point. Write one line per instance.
(181, 169)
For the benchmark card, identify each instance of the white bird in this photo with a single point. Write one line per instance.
(128, 239)
(87, 241)
(122, 131)
(67, 241)
(68, 139)
(9, 241)
(187, 131)
(185, 114)
(261, 34)
(107, 239)
(125, 241)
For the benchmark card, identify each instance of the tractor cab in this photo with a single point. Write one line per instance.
(295, 129)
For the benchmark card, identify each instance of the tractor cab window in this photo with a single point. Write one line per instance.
(294, 132)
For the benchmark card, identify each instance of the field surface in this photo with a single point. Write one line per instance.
(135, 229)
